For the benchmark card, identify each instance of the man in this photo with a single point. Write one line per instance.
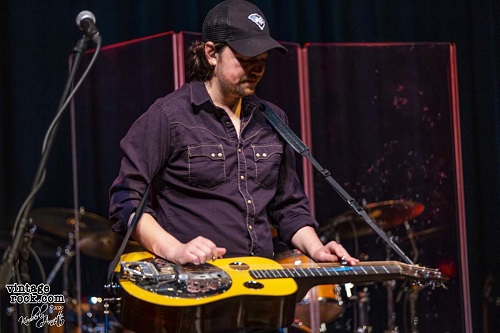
(221, 175)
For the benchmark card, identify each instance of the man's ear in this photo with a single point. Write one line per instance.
(210, 53)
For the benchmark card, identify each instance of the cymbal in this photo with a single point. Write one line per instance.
(105, 245)
(386, 214)
(44, 246)
(61, 221)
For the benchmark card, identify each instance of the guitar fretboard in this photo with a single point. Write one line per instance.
(340, 271)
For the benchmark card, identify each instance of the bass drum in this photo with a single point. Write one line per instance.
(329, 299)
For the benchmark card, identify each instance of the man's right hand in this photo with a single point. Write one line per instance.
(197, 251)
(157, 240)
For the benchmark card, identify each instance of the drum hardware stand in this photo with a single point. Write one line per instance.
(64, 258)
(391, 315)
(106, 302)
(361, 307)
(314, 310)
(65, 255)
(316, 324)
(111, 288)
(363, 311)
(412, 290)
(389, 285)
(413, 295)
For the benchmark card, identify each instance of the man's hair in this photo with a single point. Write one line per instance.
(197, 65)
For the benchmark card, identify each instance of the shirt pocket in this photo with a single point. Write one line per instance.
(206, 166)
(267, 164)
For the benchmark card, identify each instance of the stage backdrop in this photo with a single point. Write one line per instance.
(383, 120)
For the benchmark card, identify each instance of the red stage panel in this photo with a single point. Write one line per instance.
(384, 120)
(126, 79)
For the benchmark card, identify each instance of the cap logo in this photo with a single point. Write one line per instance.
(257, 19)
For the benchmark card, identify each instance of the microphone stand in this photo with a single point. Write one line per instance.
(22, 223)
(303, 150)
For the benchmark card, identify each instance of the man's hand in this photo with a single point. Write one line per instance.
(307, 241)
(332, 252)
(157, 240)
(197, 251)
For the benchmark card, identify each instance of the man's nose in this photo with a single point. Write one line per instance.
(258, 67)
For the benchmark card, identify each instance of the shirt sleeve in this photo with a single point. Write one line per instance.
(144, 149)
(289, 209)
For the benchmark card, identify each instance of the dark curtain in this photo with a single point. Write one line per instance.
(36, 38)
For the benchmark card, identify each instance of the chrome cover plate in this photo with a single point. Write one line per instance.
(182, 281)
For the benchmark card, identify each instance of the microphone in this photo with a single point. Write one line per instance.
(85, 21)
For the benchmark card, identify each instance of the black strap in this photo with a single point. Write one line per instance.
(290, 137)
(138, 214)
(299, 146)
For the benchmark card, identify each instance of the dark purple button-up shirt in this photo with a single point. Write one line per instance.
(207, 181)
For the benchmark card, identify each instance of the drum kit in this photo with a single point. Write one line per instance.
(322, 305)
(97, 239)
(57, 227)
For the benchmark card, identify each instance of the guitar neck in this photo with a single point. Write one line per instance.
(335, 273)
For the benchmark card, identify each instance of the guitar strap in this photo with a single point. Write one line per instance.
(299, 146)
(138, 214)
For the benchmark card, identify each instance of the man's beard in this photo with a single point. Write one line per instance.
(241, 90)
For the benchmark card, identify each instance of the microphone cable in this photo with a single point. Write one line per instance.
(11, 254)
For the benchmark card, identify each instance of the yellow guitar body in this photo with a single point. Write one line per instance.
(271, 287)
(265, 304)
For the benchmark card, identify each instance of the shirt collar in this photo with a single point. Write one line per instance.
(201, 99)
(199, 93)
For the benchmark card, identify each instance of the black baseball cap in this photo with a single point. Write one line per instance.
(242, 26)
